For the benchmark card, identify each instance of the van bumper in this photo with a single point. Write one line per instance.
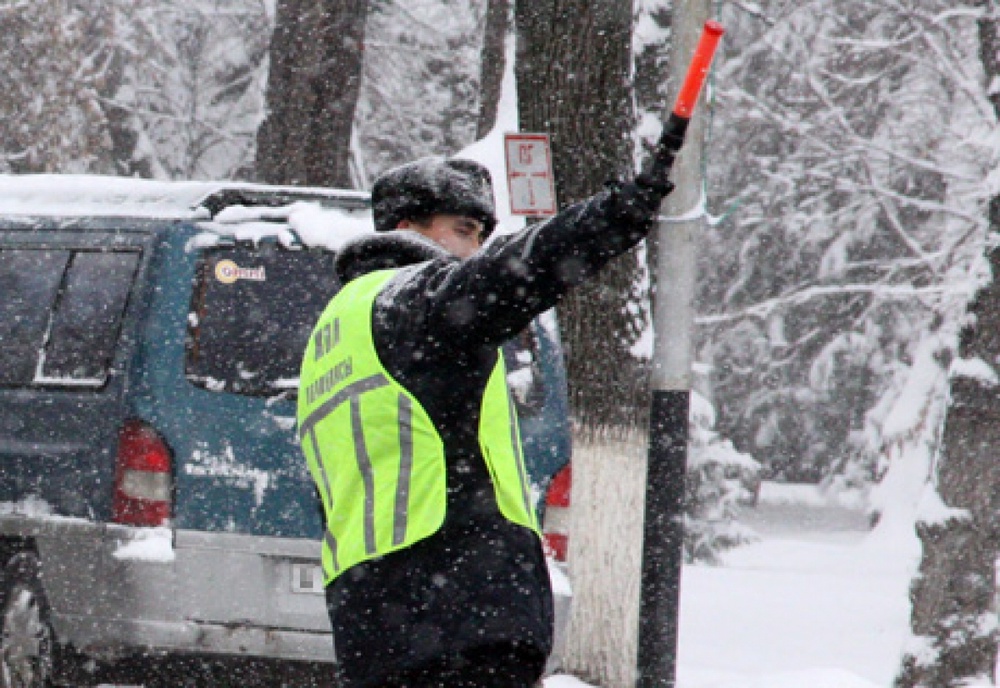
(113, 640)
(115, 591)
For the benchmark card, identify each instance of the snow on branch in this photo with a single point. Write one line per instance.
(899, 292)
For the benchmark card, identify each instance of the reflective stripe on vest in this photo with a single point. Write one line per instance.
(376, 457)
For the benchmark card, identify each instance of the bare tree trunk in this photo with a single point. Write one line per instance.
(573, 83)
(312, 92)
(493, 62)
(954, 595)
(123, 136)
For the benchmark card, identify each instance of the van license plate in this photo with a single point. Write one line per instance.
(307, 579)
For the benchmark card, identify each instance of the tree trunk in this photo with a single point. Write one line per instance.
(954, 607)
(123, 136)
(573, 83)
(492, 66)
(312, 92)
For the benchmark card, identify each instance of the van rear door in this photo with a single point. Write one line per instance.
(240, 470)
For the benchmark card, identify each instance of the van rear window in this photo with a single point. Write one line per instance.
(61, 314)
(252, 310)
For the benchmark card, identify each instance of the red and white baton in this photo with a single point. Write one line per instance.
(674, 129)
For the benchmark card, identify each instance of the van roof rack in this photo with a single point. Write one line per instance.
(278, 196)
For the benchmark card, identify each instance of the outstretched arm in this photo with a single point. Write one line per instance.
(490, 297)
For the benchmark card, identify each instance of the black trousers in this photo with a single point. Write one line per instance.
(486, 667)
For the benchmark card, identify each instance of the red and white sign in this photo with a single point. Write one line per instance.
(529, 174)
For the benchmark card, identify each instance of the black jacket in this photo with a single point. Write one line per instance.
(481, 581)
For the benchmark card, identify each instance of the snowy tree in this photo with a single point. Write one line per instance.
(720, 481)
(954, 595)
(157, 88)
(410, 77)
(55, 73)
(420, 92)
(492, 63)
(851, 215)
(188, 86)
(312, 92)
(852, 227)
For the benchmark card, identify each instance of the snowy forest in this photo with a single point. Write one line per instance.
(850, 176)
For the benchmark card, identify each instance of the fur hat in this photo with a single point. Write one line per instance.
(432, 186)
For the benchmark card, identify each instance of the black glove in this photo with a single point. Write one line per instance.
(655, 183)
(640, 200)
(657, 172)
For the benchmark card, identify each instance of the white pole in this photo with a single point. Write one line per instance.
(682, 219)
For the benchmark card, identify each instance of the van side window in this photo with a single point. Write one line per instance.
(87, 316)
(29, 281)
(252, 310)
(61, 314)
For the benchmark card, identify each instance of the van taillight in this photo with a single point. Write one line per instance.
(143, 477)
(557, 502)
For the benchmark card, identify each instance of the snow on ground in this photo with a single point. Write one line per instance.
(819, 602)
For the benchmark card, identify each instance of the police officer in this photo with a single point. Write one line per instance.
(433, 559)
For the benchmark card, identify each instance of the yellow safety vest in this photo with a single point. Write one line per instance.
(376, 457)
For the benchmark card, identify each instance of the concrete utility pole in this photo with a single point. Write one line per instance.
(673, 317)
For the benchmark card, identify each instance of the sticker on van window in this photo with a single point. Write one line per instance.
(227, 272)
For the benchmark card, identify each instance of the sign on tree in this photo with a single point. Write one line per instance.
(529, 174)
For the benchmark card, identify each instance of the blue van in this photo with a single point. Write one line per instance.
(153, 499)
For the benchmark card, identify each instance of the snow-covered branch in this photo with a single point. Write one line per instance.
(764, 309)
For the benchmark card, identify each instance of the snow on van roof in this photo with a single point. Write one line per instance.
(83, 195)
(76, 195)
(313, 220)
(309, 223)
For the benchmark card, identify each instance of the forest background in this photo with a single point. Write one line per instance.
(850, 157)
(850, 183)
